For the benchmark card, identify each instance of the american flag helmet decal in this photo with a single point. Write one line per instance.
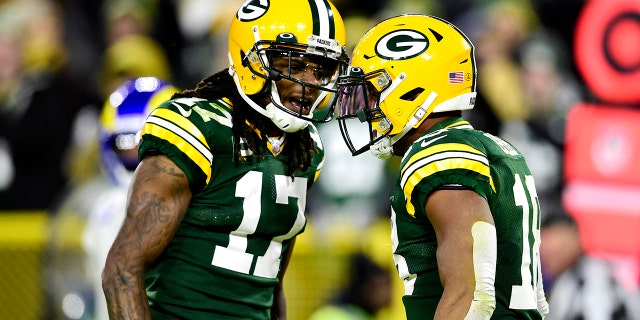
(456, 77)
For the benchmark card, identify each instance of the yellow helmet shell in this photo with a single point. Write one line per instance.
(311, 22)
(429, 55)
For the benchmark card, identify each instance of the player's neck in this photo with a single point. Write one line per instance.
(272, 130)
(400, 147)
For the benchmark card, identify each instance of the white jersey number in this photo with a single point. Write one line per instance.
(524, 295)
(235, 256)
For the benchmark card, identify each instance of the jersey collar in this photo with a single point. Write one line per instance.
(452, 123)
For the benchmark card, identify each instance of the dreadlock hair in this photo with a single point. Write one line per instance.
(300, 145)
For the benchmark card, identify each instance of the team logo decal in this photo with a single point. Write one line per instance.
(402, 44)
(252, 10)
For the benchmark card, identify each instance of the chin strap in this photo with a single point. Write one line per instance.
(285, 121)
(280, 118)
(383, 148)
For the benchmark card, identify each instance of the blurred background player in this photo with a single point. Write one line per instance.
(579, 285)
(219, 196)
(94, 212)
(465, 212)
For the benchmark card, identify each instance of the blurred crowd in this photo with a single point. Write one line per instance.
(58, 62)
(60, 59)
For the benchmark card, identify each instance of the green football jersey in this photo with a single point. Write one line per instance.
(224, 259)
(453, 153)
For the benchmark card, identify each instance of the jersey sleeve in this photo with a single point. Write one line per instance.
(454, 159)
(172, 130)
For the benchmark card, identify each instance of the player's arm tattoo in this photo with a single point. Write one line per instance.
(158, 199)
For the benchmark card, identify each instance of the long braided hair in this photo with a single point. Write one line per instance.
(300, 145)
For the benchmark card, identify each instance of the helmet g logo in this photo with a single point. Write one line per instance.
(401, 44)
(252, 9)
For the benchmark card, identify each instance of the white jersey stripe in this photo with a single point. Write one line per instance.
(184, 134)
(440, 156)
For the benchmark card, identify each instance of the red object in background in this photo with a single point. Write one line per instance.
(607, 49)
(602, 150)
(602, 177)
(603, 144)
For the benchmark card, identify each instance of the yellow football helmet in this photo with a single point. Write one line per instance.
(266, 29)
(402, 70)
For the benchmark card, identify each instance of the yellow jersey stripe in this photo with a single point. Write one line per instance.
(181, 122)
(167, 131)
(437, 149)
(414, 172)
(462, 124)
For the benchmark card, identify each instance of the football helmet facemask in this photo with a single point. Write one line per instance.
(274, 40)
(123, 116)
(402, 70)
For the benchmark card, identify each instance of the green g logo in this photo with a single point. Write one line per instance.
(401, 44)
(252, 9)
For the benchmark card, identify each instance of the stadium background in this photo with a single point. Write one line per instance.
(346, 217)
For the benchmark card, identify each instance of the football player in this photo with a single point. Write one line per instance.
(122, 118)
(219, 195)
(91, 213)
(465, 215)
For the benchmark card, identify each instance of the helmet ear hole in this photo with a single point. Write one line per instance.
(412, 94)
(243, 58)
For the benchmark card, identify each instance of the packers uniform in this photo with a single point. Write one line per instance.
(226, 255)
(453, 154)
